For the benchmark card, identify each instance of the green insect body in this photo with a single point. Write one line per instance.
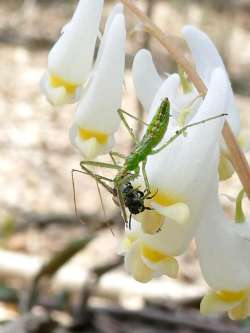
(152, 137)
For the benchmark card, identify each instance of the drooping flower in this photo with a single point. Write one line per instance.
(181, 175)
(97, 119)
(146, 79)
(224, 253)
(206, 58)
(70, 60)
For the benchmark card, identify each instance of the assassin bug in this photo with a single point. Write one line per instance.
(124, 194)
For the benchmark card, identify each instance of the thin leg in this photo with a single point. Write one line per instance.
(122, 206)
(182, 131)
(130, 130)
(90, 173)
(101, 164)
(145, 177)
(132, 116)
(115, 153)
(129, 223)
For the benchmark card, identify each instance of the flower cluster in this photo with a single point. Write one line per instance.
(184, 176)
(96, 87)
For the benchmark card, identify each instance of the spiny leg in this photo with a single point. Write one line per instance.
(98, 181)
(101, 164)
(132, 116)
(130, 130)
(182, 131)
(145, 177)
(93, 175)
(122, 206)
(110, 189)
(114, 154)
(96, 177)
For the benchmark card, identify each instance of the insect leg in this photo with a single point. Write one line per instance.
(122, 206)
(98, 178)
(101, 164)
(145, 177)
(123, 119)
(115, 153)
(183, 130)
(132, 116)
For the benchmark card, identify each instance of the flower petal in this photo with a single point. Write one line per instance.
(212, 303)
(201, 45)
(117, 9)
(178, 212)
(72, 56)
(146, 79)
(97, 109)
(135, 266)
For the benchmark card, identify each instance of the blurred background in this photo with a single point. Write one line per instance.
(60, 274)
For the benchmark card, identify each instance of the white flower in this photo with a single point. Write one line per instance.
(142, 261)
(70, 60)
(185, 104)
(181, 174)
(224, 254)
(149, 85)
(206, 59)
(97, 119)
(146, 78)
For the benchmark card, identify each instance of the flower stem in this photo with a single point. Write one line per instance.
(238, 158)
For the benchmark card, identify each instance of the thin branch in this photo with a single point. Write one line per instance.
(238, 158)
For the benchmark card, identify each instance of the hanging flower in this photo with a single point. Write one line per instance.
(206, 58)
(97, 119)
(181, 176)
(146, 79)
(142, 261)
(70, 60)
(224, 254)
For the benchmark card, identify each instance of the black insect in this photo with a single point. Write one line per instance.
(134, 200)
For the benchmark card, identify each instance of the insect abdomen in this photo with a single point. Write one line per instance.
(154, 134)
(159, 124)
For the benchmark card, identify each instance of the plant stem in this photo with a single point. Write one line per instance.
(238, 158)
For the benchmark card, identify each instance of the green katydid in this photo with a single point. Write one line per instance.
(124, 194)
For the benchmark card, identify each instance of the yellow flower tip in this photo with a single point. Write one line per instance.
(159, 262)
(86, 134)
(152, 254)
(226, 169)
(241, 311)
(178, 212)
(164, 199)
(128, 241)
(57, 82)
(181, 120)
(172, 268)
(135, 265)
(229, 296)
(244, 142)
(223, 300)
(151, 222)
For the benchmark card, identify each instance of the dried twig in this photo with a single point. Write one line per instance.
(54, 264)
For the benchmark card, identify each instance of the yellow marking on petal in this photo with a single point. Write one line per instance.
(129, 240)
(151, 221)
(57, 82)
(226, 169)
(164, 199)
(185, 83)
(152, 254)
(183, 116)
(86, 134)
(243, 141)
(230, 296)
